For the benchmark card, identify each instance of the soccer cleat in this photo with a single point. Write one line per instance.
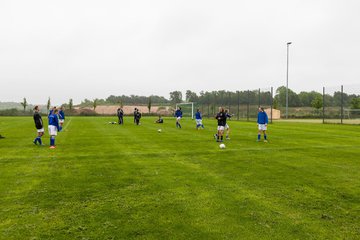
(52, 147)
(35, 142)
(227, 138)
(265, 141)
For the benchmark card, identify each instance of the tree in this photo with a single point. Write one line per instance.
(149, 104)
(317, 103)
(293, 98)
(176, 97)
(95, 103)
(191, 96)
(24, 104)
(48, 104)
(70, 104)
(355, 103)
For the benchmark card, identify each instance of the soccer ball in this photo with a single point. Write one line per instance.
(159, 130)
(222, 146)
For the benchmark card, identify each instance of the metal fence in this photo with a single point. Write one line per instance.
(328, 105)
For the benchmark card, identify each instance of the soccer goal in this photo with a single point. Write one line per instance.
(351, 113)
(187, 109)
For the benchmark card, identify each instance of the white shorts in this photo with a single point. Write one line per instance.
(220, 128)
(227, 126)
(40, 130)
(198, 121)
(178, 118)
(262, 127)
(61, 120)
(52, 130)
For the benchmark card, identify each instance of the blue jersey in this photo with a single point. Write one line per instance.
(53, 120)
(198, 115)
(61, 115)
(262, 118)
(178, 113)
(50, 112)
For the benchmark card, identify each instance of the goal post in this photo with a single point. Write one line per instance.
(185, 106)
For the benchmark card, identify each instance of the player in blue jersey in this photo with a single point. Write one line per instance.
(39, 126)
(227, 127)
(198, 119)
(61, 118)
(178, 115)
(51, 111)
(221, 118)
(262, 122)
(53, 127)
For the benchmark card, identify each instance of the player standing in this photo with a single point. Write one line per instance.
(120, 114)
(53, 127)
(137, 117)
(61, 118)
(262, 122)
(39, 126)
(178, 115)
(221, 118)
(198, 119)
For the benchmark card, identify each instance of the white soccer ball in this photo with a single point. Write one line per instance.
(222, 146)
(159, 130)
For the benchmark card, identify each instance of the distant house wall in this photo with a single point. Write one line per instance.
(275, 113)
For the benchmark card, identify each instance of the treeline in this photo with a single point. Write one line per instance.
(222, 97)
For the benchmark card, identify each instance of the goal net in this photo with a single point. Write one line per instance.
(351, 113)
(187, 109)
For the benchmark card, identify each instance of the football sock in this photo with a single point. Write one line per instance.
(52, 141)
(179, 125)
(39, 139)
(259, 136)
(35, 140)
(265, 136)
(221, 138)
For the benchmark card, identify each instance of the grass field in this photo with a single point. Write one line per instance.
(107, 181)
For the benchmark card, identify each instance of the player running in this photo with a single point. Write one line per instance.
(61, 118)
(53, 127)
(198, 119)
(262, 122)
(39, 126)
(221, 118)
(178, 115)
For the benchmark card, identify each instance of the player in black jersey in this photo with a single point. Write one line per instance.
(221, 118)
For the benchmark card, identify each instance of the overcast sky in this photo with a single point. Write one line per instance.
(92, 49)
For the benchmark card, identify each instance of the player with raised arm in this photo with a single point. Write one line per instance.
(53, 127)
(178, 115)
(262, 122)
(61, 118)
(221, 118)
(198, 119)
(39, 126)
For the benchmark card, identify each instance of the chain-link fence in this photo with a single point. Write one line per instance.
(339, 104)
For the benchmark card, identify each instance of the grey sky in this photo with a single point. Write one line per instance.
(92, 49)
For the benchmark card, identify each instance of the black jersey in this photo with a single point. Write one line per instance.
(38, 121)
(221, 118)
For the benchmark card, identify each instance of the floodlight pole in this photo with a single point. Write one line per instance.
(287, 78)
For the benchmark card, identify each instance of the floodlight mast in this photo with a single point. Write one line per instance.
(287, 78)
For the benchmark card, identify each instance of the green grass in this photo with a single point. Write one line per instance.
(130, 182)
